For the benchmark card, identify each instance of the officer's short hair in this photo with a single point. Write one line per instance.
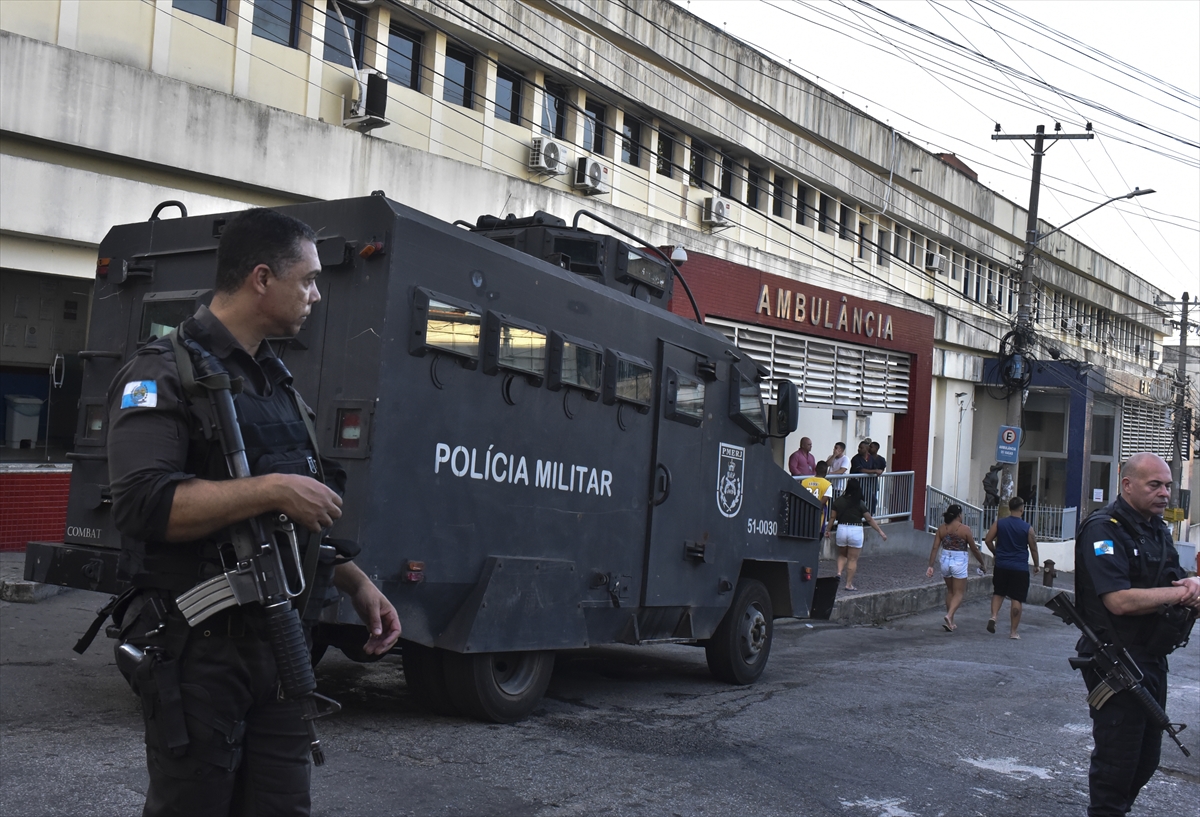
(1016, 503)
(258, 236)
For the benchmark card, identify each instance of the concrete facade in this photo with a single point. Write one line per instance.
(112, 106)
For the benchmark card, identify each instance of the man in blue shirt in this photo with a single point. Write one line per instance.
(1011, 540)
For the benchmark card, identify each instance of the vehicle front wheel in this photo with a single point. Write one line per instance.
(502, 687)
(737, 652)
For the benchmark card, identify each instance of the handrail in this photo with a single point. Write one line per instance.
(1051, 523)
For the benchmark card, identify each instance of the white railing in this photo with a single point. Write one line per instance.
(889, 496)
(1051, 523)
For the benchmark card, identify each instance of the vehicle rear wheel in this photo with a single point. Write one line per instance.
(502, 687)
(738, 650)
(424, 671)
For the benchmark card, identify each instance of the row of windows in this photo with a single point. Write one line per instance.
(984, 282)
(1076, 319)
(502, 343)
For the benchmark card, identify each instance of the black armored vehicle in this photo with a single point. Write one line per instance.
(541, 456)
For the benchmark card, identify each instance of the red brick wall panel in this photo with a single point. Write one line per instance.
(32, 507)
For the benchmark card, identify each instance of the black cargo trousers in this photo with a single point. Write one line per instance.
(1127, 744)
(219, 741)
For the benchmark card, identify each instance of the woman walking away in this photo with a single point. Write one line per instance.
(955, 539)
(849, 512)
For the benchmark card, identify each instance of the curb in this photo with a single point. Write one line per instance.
(20, 591)
(885, 605)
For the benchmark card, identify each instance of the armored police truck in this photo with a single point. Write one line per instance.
(541, 456)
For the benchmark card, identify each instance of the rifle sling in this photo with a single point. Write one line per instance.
(201, 389)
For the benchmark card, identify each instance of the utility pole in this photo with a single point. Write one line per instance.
(1016, 375)
(1182, 431)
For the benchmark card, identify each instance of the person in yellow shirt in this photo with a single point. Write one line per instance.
(820, 489)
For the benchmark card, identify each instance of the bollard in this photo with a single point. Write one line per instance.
(1048, 573)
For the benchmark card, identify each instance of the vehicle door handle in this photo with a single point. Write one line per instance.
(662, 483)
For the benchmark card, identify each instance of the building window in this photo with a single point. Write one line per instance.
(862, 239)
(208, 9)
(823, 217)
(846, 223)
(881, 244)
(754, 187)
(595, 116)
(459, 85)
(697, 164)
(666, 154)
(277, 21)
(955, 263)
(801, 203)
(968, 265)
(898, 244)
(727, 171)
(914, 242)
(631, 142)
(779, 187)
(554, 111)
(508, 95)
(404, 56)
(337, 50)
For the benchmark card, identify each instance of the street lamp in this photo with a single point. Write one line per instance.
(1137, 191)
(1016, 372)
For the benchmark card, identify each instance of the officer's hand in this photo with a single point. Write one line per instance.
(307, 501)
(376, 612)
(1191, 595)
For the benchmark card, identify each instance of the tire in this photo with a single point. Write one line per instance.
(737, 652)
(501, 687)
(424, 673)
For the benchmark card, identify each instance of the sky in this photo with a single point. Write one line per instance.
(1132, 69)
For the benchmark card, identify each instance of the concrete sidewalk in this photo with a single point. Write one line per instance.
(889, 585)
(894, 584)
(13, 586)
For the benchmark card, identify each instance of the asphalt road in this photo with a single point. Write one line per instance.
(893, 721)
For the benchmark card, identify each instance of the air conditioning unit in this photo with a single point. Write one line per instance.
(935, 262)
(591, 177)
(717, 212)
(547, 156)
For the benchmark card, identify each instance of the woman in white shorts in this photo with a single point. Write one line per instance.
(848, 514)
(955, 539)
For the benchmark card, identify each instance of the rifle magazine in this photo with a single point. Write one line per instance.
(1099, 696)
(206, 599)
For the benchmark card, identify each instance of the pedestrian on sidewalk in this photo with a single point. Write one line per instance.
(955, 540)
(848, 514)
(1011, 540)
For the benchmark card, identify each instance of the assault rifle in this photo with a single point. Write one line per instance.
(268, 569)
(1116, 669)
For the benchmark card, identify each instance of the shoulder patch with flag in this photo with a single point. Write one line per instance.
(1103, 547)
(140, 394)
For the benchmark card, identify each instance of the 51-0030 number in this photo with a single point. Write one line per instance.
(763, 526)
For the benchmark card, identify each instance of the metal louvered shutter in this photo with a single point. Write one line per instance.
(1145, 427)
(826, 373)
(899, 372)
(849, 377)
(819, 370)
(875, 380)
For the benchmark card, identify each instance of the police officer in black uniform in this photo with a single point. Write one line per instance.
(218, 738)
(1127, 576)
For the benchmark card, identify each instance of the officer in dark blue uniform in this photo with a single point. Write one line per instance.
(218, 738)
(1127, 573)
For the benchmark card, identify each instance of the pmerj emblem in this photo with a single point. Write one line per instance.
(140, 394)
(730, 479)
